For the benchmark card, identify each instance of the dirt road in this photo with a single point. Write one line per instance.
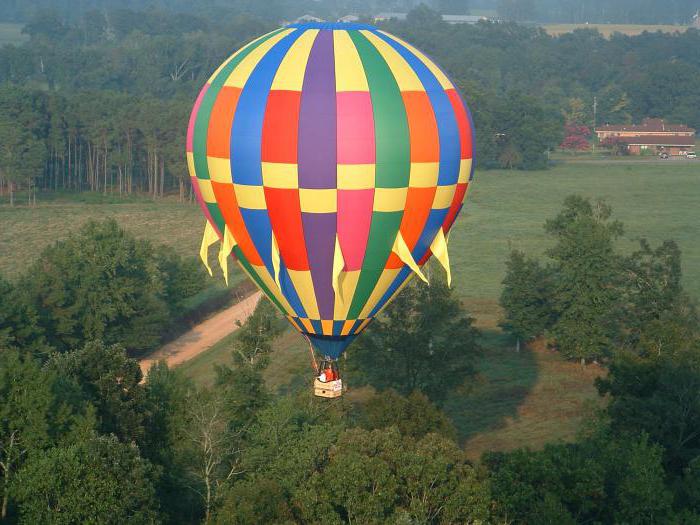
(203, 336)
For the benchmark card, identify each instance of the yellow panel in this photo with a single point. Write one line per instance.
(280, 175)
(356, 176)
(347, 325)
(405, 77)
(348, 283)
(465, 168)
(318, 201)
(363, 325)
(251, 197)
(327, 326)
(389, 199)
(424, 174)
(349, 73)
(219, 170)
(218, 69)
(240, 74)
(290, 74)
(266, 278)
(385, 279)
(305, 289)
(441, 77)
(207, 191)
(307, 324)
(190, 164)
(443, 196)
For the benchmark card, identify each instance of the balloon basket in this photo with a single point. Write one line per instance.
(329, 389)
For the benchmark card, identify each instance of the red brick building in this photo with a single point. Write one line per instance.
(652, 135)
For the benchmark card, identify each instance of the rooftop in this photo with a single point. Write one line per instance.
(649, 125)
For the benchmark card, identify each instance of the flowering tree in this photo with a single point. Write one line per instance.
(576, 137)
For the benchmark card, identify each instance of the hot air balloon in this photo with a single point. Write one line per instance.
(331, 160)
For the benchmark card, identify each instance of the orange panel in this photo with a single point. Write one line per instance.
(226, 200)
(221, 122)
(422, 127)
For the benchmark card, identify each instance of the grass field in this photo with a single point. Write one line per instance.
(525, 398)
(12, 34)
(607, 30)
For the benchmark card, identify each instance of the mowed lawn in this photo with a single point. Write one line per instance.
(518, 399)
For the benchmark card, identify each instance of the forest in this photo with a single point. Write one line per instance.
(84, 439)
(103, 100)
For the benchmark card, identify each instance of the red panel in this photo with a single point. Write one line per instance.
(465, 129)
(280, 127)
(221, 122)
(285, 217)
(457, 201)
(226, 200)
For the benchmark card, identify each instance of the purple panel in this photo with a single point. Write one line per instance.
(317, 118)
(319, 231)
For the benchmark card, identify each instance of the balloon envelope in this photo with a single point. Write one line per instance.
(333, 157)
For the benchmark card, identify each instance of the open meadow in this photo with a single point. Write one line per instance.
(525, 398)
(12, 34)
(607, 30)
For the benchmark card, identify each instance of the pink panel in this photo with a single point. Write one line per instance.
(354, 217)
(355, 127)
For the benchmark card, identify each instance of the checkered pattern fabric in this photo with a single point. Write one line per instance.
(323, 137)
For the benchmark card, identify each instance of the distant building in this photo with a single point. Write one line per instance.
(463, 19)
(653, 134)
(450, 19)
(379, 17)
(696, 19)
(307, 18)
(349, 18)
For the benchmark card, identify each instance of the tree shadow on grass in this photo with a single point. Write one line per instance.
(505, 378)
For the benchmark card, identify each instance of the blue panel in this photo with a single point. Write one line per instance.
(331, 346)
(246, 133)
(435, 220)
(448, 131)
(318, 328)
(259, 228)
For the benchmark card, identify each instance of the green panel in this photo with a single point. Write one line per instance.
(216, 215)
(382, 233)
(201, 124)
(392, 142)
(244, 262)
(393, 163)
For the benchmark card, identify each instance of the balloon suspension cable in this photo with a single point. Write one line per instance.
(314, 364)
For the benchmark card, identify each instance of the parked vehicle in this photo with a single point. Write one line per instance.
(691, 155)
(663, 155)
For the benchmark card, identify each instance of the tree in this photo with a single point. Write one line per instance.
(659, 396)
(414, 415)
(424, 341)
(380, 476)
(110, 381)
(599, 479)
(26, 405)
(658, 315)
(526, 298)
(587, 278)
(102, 283)
(96, 481)
(19, 328)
